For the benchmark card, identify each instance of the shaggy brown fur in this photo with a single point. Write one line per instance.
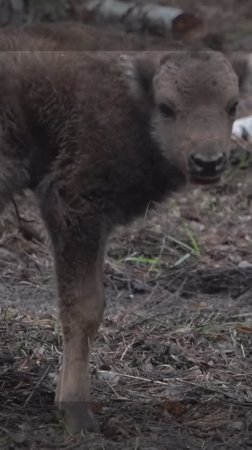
(97, 139)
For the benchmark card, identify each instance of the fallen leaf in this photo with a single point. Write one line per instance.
(176, 409)
(97, 408)
(244, 329)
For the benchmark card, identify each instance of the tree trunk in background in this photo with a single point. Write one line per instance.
(17, 12)
(11, 11)
(134, 15)
(139, 15)
(50, 10)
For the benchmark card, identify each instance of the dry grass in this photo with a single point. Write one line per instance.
(160, 375)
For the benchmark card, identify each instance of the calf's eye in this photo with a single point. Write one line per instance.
(232, 109)
(167, 111)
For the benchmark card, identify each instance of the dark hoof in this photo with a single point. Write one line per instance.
(79, 417)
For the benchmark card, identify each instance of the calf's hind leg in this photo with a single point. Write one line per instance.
(79, 264)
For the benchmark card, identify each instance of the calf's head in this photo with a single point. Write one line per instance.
(191, 99)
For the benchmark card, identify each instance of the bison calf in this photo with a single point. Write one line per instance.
(97, 137)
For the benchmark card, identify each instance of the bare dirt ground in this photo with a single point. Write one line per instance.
(172, 364)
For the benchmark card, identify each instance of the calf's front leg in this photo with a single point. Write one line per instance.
(81, 308)
(79, 267)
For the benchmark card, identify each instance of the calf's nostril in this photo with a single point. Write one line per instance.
(220, 162)
(197, 162)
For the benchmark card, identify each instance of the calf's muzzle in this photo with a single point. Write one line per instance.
(207, 167)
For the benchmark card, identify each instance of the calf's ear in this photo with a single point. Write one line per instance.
(242, 65)
(138, 71)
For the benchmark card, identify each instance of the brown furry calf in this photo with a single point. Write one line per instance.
(97, 139)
